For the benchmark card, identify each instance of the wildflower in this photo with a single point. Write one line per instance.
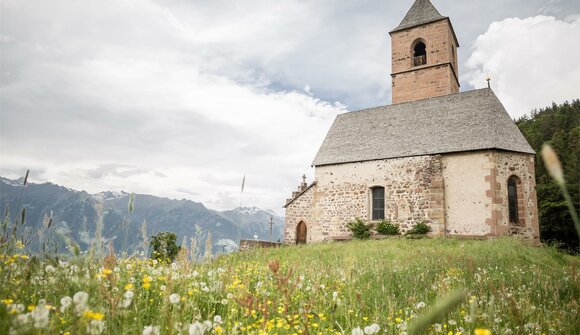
(481, 331)
(128, 286)
(217, 319)
(357, 331)
(452, 322)
(49, 268)
(95, 327)
(151, 330)
(437, 327)
(65, 302)
(174, 298)
(197, 328)
(421, 305)
(372, 329)
(80, 298)
(163, 287)
(40, 316)
(93, 315)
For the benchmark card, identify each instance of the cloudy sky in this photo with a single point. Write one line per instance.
(182, 98)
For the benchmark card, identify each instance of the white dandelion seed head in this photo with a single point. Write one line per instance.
(372, 329)
(174, 298)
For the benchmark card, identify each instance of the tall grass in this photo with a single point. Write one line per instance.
(347, 288)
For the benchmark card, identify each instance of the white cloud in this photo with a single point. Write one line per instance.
(532, 62)
(182, 98)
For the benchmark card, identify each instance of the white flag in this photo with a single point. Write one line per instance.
(243, 183)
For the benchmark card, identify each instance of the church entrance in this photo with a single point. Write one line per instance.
(301, 233)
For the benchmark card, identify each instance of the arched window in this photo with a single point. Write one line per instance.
(378, 203)
(419, 53)
(513, 201)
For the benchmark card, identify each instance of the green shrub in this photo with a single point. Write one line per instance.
(420, 228)
(385, 227)
(360, 230)
(164, 246)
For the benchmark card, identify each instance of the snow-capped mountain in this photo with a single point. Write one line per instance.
(75, 214)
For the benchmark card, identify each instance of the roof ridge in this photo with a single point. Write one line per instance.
(414, 101)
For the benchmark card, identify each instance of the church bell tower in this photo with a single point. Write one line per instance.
(424, 55)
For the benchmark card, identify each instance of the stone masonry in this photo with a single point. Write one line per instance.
(439, 77)
(414, 191)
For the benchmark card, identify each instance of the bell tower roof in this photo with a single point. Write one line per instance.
(420, 13)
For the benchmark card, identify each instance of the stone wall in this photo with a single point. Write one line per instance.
(460, 194)
(255, 244)
(467, 205)
(299, 209)
(476, 194)
(438, 77)
(414, 191)
(522, 166)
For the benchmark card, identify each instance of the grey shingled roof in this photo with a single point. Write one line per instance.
(421, 12)
(468, 121)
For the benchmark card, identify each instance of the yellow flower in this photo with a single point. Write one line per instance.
(481, 331)
(219, 330)
(107, 271)
(146, 286)
(128, 286)
(7, 301)
(94, 315)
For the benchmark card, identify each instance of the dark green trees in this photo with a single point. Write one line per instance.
(558, 125)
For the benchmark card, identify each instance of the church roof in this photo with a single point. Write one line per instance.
(467, 121)
(420, 13)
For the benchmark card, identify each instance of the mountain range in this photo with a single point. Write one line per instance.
(55, 213)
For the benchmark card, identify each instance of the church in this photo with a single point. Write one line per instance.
(453, 160)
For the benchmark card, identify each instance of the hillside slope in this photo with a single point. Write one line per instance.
(379, 287)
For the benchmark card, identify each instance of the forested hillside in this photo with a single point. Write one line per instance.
(558, 125)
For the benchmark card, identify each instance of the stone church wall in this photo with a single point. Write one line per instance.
(467, 206)
(522, 166)
(476, 194)
(299, 210)
(413, 192)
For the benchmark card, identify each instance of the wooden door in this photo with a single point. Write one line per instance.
(301, 233)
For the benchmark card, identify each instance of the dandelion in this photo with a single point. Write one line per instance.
(481, 331)
(217, 319)
(40, 316)
(197, 328)
(93, 315)
(151, 330)
(49, 269)
(96, 327)
(357, 331)
(421, 305)
(65, 303)
(80, 298)
(174, 298)
(437, 327)
(372, 329)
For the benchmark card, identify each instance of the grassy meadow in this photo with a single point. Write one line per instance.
(359, 287)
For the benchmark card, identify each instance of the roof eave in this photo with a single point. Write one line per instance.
(529, 152)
